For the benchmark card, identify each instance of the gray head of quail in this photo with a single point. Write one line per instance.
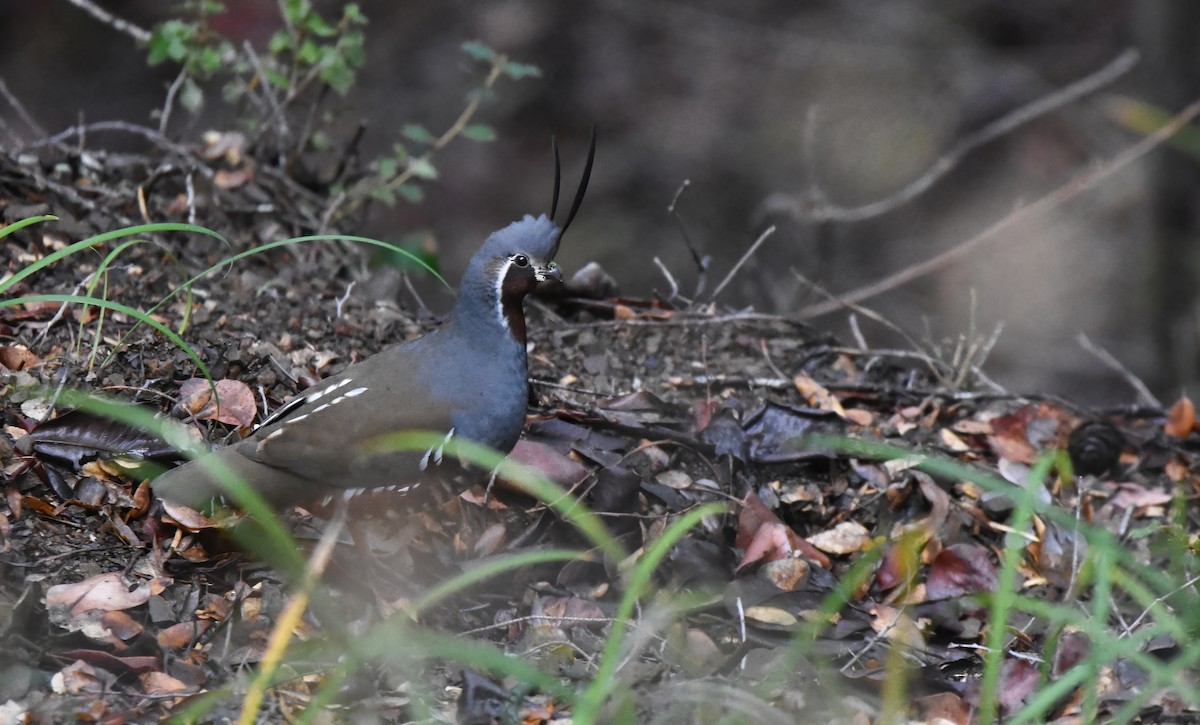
(466, 379)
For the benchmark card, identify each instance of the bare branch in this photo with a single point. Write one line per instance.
(814, 206)
(1075, 186)
(1147, 398)
(120, 25)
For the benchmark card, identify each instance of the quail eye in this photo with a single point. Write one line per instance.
(521, 260)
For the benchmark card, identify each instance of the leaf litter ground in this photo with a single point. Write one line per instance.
(114, 610)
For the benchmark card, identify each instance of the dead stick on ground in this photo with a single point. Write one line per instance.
(749, 253)
(1073, 188)
(1147, 398)
(289, 618)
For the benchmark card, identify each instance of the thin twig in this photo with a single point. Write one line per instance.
(818, 209)
(17, 106)
(1144, 395)
(749, 252)
(120, 25)
(1075, 186)
(670, 279)
(164, 116)
(81, 130)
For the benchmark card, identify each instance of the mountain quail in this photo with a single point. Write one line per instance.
(467, 379)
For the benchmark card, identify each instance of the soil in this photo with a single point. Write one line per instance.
(646, 408)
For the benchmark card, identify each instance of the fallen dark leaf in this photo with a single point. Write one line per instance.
(79, 435)
(960, 570)
(135, 664)
(775, 432)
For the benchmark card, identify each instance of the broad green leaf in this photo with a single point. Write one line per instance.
(417, 132)
(422, 168)
(480, 132)
(478, 50)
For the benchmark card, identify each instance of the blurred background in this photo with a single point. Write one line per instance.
(773, 110)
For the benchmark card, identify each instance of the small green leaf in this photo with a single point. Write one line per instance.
(387, 168)
(417, 132)
(338, 76)
(384, 194)
(191, 96)
(412, 193)
(281, 41)
(353, 14)
(400, 151)
(318, 26)
(319, 141)
(422, 168)
(478, 50)
(479, 132)
(517, 71)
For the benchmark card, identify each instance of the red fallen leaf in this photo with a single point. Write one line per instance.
(183, 634)
(959, 570)
(1022, 434)
(763, 536)
(899, 565)
(17, 357)
(702, 413)
(1008, 436)
(237, 405)
(544, 459)
(1018, 680)
(114, 664)
(1073, 648)
(1182, 418)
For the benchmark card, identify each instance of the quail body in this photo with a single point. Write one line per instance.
(467, 379)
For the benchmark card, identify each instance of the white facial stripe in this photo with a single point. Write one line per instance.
(499, 296)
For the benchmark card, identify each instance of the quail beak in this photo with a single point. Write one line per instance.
(547, 272)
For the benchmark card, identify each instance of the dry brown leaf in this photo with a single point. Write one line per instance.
(817, 395)
(104, 592)
(1182, 418)
(160, 683)
(848, 537)
(675, 479)
(896, 626)
(237, 404)
(788, 574)
(771, 615)
(952, 441)
(181, 635)
(17, 357)
(859, 416)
